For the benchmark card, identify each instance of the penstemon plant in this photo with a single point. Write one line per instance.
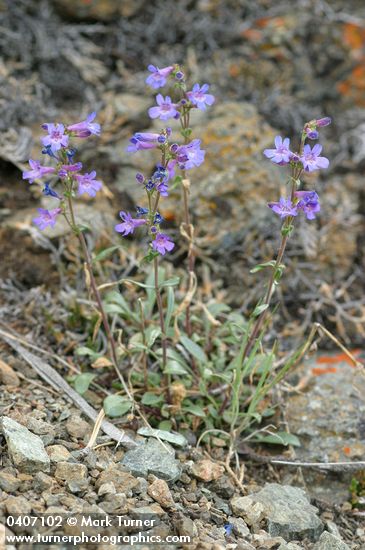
(173, 156)
(221, 371)
(57, 145)
(297, 201)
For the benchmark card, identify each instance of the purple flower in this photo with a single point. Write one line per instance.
(37, 171)
(284, 208)
(47, 218)
(281, 155)
(326, 121)
(49, 192)
(141, 211)
(190, 155)
(88, 184)
(165, 108)
(311, 159)
(56, 136)
(158, 77)
(162, 188)
(199, 97)
(311, 134)
(308, 203)
(140, 178)
(85, 128)
(66, 168)
(129, 224)
(162, 243)
(143, 140)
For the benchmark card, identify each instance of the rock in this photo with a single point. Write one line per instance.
(289, 546)
(77, 427)
(266, 542)
(41, 428)
(43, 482)
(252, 512)
(175, 439)
(107, 489)
(16, 506)
(334, 435)
(239, 527)
(74, 474)
(330, 542)
(116, 503)
(243, 545)
(288, 512)
(8, 482)
(160, 492)
(206, 470)
(153, 512)
(223, 487)
(186, 527)
(8, 376)
(25, 449)
(58, 453)
(123, 481)
(153, 458)
(129, 106)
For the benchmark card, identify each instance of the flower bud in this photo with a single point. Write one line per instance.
(326, 121)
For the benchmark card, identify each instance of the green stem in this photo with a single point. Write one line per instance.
(95, 290)
(162, 321)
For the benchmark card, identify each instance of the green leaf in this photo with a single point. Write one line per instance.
(259, 309)
(194, 349)
(165, 425)
(173, 367)
(82, 382)
(105, 253)
(259, 267)
(150, 398)
(116, 405)
(196, 410)
(152, 334)
(152, 254)
(279, 438)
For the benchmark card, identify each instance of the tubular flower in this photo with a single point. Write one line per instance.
(85, 128)
(165, 109)
(46, 218)
(129, 224)
(88, 184)
(284, 208)
(199, 97)
(145, 140)
(56, 138)
(162, 243)
(308, 203)
(37, 171)
(281, 154)
(158, 77)
(311, 160)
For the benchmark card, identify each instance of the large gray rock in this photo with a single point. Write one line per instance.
(330, 542)
(327, 434)
(153, 458)
(25, 449)
(288, 512)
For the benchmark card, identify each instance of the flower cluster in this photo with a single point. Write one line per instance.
(184, 156)
(307, 159)
(56, 145)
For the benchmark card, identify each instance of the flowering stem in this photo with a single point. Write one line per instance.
(162, 320)
(188, 226)
(97, 297)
